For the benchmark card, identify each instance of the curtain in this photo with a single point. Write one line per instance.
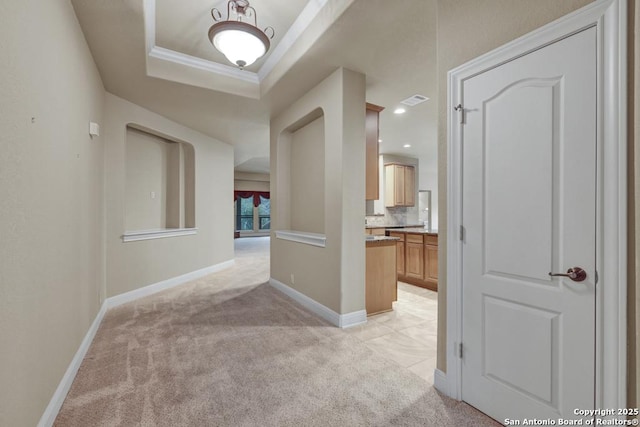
(255, 194)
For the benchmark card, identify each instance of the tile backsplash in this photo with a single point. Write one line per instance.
(395, 216)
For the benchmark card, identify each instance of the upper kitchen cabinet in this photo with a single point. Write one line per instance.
(400, 185)
(372, 132)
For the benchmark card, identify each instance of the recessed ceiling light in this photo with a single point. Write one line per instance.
(379, 140)
(399, 110)
(407, 145)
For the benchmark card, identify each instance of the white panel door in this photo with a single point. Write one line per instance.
(529, 206)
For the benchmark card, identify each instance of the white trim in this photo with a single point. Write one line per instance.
(313, 239)
(440, 382)
(149, 13)
(340, 320)
(134, 236)
(203, 64)
(251, 233)
(354, 318)
(609, 17)
(126, 297)
(51, 412)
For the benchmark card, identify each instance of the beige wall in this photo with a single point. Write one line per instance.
(251, 181)
(51, 209)
(466, 30)
(136, 264)
(334, 275)
(307, 178)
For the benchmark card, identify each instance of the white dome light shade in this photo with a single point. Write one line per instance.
(239, 47)
(241, 43)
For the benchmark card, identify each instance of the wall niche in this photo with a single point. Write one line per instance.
(303, 184)
(160, 182)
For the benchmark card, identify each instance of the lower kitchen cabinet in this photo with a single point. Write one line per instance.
(417, 258)
(381, 277)
(414, 259)
(399, 251)
(431, 263)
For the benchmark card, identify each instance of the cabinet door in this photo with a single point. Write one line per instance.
(399, 251)
(371, 130)
(409, 189)
(414, 260)
(400, 258)
(398, 190)
(431, 263)
(389, 186)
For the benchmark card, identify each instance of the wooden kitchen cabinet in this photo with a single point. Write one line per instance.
(400, 185)
(399, 251)
(409, 186)
(417, 258)
(381, 277)
(372, 191)
(414, 256)
(375, 231)
(431, 263)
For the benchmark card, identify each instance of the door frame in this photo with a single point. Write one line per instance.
(609, 18)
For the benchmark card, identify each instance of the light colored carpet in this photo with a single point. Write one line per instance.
(229, 350)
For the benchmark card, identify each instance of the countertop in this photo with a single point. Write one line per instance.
(379, 238)
(392, 226)
(414, 230)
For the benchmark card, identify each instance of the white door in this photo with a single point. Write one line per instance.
(529, 208)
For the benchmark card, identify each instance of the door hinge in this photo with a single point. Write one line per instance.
(596, 277)
(460, 350)
(462, 233)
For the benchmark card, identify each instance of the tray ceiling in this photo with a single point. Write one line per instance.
(178, 48)
(183, 26)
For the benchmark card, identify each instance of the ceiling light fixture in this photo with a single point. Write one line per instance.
(241, 42)
(406, 146)
(399, 110)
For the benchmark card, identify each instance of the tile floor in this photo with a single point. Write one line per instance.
(406, 335)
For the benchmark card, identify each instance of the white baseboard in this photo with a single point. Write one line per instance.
(51, 412)
(354, 318)
(440, 382)
(341, 320)
(126, 297)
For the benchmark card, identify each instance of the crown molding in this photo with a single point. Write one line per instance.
(203, 64)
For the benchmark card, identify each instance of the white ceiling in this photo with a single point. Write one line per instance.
(394, 46)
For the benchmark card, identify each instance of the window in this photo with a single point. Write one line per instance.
(253, 211)
(264, 213)
(244, 213)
